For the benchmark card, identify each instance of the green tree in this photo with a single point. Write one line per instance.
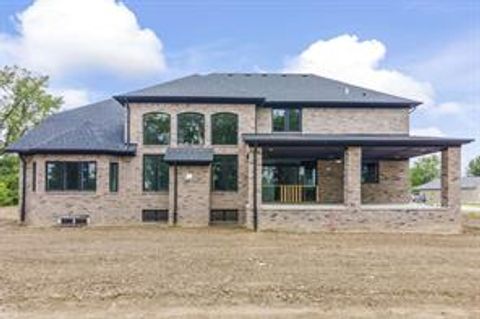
(424, 170)
(474, 167)
(24, 102)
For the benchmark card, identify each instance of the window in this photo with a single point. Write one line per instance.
(155, 215)
(79, 220)
(113, 180)
(286, 119)
(369, 173)
(191, 128)
(156, 129)
(224, 129)
(223, 216)
(34, 176)
(71, 176)
(224, 172)
(155, 173)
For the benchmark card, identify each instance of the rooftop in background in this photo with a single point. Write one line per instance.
(268, 88)
(469, 182)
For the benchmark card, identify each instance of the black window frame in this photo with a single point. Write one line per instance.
(64, 182)
(158, 186)
(223, 216)
(113, 177)
(215, 136)
(34, 176)
(144, 128)
(370, 173)
(286, 125)
(155, 215)
(181, 136)
(228, 168)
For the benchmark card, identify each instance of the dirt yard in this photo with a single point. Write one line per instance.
(156, 272)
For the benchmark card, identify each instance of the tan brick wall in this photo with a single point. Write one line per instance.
(345, 120)
(352, 177)
(193, 195)
(309, 218)
(392, 186)
(125, 206)
(330, 181)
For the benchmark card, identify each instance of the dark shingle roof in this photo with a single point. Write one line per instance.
(94, 128)
(185, 155)
(469, 182)
(271, 88)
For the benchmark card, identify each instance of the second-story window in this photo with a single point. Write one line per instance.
(191, 128)
(286, 119)
(224, 129)
(156, 129)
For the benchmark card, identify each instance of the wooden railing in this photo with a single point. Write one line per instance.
(291, 193)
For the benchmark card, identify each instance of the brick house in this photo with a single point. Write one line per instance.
(292, 152)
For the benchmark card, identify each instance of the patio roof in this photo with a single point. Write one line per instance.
(329, 146)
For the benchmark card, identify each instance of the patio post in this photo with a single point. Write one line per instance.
(451, 171)
(352, 177)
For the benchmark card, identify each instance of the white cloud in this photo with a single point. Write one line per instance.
(449, 108)
(61, 36)
(71, 97)
(348, 59)
(427, 131)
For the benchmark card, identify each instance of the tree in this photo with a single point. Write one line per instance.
(424, 170)
(24, 102)
(474, 167)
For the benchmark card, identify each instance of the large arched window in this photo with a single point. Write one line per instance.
(224, 129)
(191, 128)
(156, 129)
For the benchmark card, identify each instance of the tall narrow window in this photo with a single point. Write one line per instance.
(370, 173)
(155, 173)
(286, 119)
(191, 128)
(113, 180)
(71, 176)
(156, 129)
(34, 176)
(225, 173)
(224, 129)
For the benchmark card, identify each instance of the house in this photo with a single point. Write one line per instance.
(470, 190)
(294, 152)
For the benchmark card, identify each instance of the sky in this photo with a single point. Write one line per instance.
(92, 49)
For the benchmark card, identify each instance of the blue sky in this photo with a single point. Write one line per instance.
(428, 50)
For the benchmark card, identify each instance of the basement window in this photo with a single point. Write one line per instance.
(223, 216)
(155, 215)
(79, 220)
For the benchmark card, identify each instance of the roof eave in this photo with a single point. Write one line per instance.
(188, 99)
(78, 151)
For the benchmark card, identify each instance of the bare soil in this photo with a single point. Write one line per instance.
(159, 272)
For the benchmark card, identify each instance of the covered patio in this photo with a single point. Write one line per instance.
(318, 181)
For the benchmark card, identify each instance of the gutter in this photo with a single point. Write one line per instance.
(175, 197)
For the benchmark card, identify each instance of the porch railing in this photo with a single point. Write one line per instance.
(290, 193)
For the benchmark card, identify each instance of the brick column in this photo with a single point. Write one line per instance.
(352, 177)
(451, 171)
(250, 202)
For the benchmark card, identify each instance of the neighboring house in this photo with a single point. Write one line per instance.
(470, 190)
(265, 151)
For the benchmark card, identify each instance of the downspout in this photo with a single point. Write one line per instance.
(175, 199)
(255, 212)
(23, 211)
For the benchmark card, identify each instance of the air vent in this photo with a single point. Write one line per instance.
(74, 220)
